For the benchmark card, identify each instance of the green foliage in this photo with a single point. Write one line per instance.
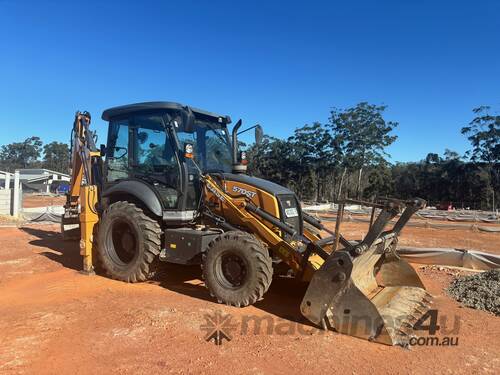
(484, 134)
(26, 154)
(347, 157)
(56, 157)
(20, 154)
(463, 183)
(362, 134)
(271, 160)
(379, 181)
(318, 160)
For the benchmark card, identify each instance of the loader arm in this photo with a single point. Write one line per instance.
(244, 210)
(81, 200)
(344, 293)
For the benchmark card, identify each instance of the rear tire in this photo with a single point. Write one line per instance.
(129, 243)
(237, 269)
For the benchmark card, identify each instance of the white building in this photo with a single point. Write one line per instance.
(40, 179)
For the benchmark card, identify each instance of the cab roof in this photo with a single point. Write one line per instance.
(148, 106)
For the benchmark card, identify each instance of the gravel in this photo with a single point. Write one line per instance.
(480, 291)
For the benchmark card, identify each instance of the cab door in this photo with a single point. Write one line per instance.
(117, 164)
(154, 157)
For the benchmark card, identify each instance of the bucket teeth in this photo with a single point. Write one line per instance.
(395, 329)
(412, 318)
(382, 309)
(420, 311)
(406, 325)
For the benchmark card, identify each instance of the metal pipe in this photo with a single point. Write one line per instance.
(235, 141)
(318, 225)
(340, 215)
(312, 220)
(272, 219)
(372, 217)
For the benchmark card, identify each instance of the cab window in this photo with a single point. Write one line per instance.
(153, 151)
(117, 157)
(154, 158)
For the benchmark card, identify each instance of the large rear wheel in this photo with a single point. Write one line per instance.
(129, 243)
(237, 269)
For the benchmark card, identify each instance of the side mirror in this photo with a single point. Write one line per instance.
(187, 119)
(102, 150)
(259, 135)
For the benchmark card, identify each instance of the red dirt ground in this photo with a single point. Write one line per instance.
(34, 200)
(56, 320)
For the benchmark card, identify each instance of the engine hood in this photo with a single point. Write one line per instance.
(283, 203)
(259, 183)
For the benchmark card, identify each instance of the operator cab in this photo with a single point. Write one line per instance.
(145, 146)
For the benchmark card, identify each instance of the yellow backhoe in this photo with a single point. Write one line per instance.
(170, 185)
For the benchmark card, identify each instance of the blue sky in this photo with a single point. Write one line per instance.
(282, 64)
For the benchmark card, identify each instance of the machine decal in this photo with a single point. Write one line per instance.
(242, 191)
(215, 192)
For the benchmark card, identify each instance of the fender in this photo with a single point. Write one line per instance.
(139, 190)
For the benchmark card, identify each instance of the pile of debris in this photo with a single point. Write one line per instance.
(480, 291)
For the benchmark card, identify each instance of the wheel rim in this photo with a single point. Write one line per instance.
(232, 270)
(122, 242)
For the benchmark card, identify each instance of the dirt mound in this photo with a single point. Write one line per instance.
(481, 291)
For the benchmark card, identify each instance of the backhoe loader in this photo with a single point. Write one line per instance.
(170, 185)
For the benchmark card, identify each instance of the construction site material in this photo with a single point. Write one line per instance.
(430, 222)
(354, 211)
(51, 214)
(472, 259)
(480, 291)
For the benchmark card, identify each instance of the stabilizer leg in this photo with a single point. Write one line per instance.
(88, 219)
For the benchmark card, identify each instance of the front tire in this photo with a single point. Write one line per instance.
(129, 243)
(237, 269)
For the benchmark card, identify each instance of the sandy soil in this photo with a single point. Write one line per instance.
(9, 220)
(34, 200)
(56, 320)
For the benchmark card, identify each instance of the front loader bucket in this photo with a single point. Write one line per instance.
(375, 296)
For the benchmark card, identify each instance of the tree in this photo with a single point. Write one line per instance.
(56, 157)
(451, 155)
(379, 181)
(483, 132)
(323, 161)
(362, 134)
(271, 160)
(432, 158)
(313, 156)
(21, 154)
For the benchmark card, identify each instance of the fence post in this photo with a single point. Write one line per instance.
(15, 203)
(7, 180)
